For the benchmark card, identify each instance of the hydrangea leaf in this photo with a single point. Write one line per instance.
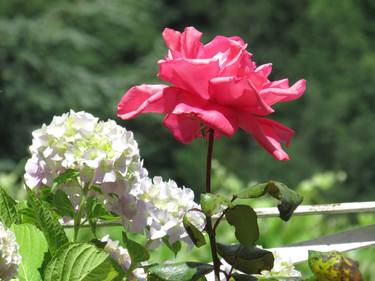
(194, 233)
(243, 277)
(244, 220)
(250, 260)
(8, 209)
(67, 176)
(332, 266)
(212, 203)
(33, 246)
(289, 199)
(137, 252)
(175, 247)
(184, 271)
(47, 221)
(80, 262)
(61, 203)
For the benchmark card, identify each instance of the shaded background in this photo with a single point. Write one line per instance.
(57, 55)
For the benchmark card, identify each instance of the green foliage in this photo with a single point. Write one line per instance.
(66, 177)
(8, 209)
(333, 266)
(289, 199)
(189, 271)
(194, 233)
(250, 260)
(175, 247)
(47, 221)
(81, 262)
(137, 252)
(212, 203)
(244, 219)
(62, 204)
(33, 246)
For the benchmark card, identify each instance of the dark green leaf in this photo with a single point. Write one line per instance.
(175, 247)
(96, 210)
(81, 262)
(194, 233)
(212, 203)
(66, 177)
(189, 271)
(137, 252)
(250, 260)
(62, 204)
(33, 246)
(243, 277)
(244, 219)
(47, 221)
(289, 199)
(8, 209)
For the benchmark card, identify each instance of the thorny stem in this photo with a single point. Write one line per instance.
(209, 229)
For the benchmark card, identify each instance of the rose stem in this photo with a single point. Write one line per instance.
(209, 229)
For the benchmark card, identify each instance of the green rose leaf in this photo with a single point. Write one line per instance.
(211, 203)
(188, 271)
(137, 252)
(33, 246)
(68, 176)
(80, 262)
(250, 260)
(8, 209)
(243, 277)
(289, 199)
(332, 266)
(194, 233)
(175, 247)
(46, 220)
(244, 219)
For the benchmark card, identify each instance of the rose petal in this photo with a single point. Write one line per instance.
(268, 133)
(183, 127)
(275, 95)
(190, 75)
(144, 98)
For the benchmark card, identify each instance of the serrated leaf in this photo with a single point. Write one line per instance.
(244, 220)
(289, 199)
(8, 209)
(332, 266)
(33, 246)
(194, 233)
(243, 277)
(250, 260)
(80, 262)
(96, 210)
(175, 247)
(61, 203)
(137, 252)
(212, 203)
(47, 222)
(188, 271)
(66, 177)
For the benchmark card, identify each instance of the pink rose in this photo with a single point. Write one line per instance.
(216, 85)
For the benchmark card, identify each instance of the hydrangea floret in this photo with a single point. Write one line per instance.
(10, 258)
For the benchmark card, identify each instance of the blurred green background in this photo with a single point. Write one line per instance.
(57, 55)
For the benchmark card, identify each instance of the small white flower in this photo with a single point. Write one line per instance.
(122, 257)
(281, 269)
(9, 254)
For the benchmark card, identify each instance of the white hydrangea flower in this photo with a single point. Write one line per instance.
(105, 153)
(162, 206)
(282, 269)
(122, 257)
(9, 254)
